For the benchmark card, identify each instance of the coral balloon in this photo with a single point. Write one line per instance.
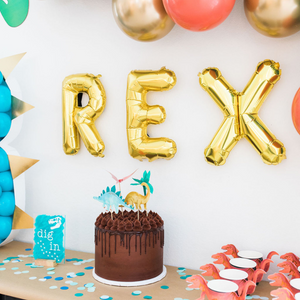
(142, 20)
(274, 18)
(198, 15)
(296, 111)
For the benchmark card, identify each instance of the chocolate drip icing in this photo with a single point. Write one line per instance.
(103, 236)
(149, 227)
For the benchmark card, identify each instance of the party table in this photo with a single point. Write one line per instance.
(19, 278)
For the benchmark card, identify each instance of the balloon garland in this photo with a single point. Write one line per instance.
(150, 20)
(12, 194)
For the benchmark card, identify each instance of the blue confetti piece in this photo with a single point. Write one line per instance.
(59, 278)
(47, 277)
(164, 287)
(68, 259)
(89, 268)
(185, 277)
(64, 288)
(28, 249)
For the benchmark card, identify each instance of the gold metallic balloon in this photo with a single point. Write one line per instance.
(275, 18)
(81, 120)
(241, 114)
(140, 114)
(142, 20)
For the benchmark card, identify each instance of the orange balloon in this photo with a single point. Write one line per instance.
(296, 111)
(198, 15)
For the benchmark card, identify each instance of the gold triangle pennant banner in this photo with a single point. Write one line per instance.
(7, 64)
(19, 107)
(19, 164)
(22, 220)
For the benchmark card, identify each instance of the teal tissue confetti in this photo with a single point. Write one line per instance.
(164, 287)
(88, 285)
(147, 297)
(78, 295)
(136, 293)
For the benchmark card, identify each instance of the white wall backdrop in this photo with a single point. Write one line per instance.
(244, 202)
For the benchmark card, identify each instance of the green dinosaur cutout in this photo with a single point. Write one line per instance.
(14, 12)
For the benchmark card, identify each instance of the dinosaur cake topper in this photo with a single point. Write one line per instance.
(112, 200)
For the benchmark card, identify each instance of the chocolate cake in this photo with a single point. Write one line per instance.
(128, 249)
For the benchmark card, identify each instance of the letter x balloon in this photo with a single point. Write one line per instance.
(241, 114)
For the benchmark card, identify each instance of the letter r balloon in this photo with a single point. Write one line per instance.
(80, 121)
(140, 114)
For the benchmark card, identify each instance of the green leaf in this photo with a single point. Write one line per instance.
(134, 184)
(113, 189)
(151, 188)
(137, 180)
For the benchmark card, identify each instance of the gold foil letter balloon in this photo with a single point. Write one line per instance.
(81, 120)
(140, 114)
(142, 20)
(275, 18)
(241, 114)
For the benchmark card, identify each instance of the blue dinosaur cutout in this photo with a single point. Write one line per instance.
(112, 199)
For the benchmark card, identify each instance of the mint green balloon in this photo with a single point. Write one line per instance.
(14, 12)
